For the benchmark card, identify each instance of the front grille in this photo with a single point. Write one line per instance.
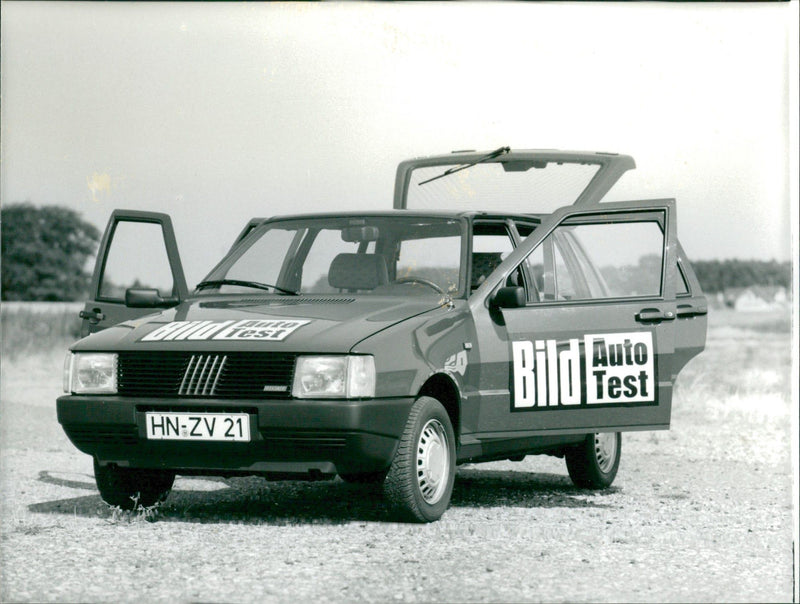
(222, 375)
(202, 375)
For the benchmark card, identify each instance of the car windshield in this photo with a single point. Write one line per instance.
(373, 255)
(513, 186)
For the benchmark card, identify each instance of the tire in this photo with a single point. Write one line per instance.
(420, 480)
(594, 463)
(364, 477)
(130, 488)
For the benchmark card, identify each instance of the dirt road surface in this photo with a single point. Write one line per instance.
(702, 512)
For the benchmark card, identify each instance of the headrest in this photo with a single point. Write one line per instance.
(483, 263)
(358, 271)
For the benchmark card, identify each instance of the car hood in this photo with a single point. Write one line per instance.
(288, 324)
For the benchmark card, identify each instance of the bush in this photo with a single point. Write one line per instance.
(44, 252)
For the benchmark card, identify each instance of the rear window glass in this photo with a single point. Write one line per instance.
(489, 185)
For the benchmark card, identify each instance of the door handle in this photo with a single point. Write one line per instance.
(654, 314)
(94, 316)
(690, 310)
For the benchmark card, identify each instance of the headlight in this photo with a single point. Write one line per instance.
(93, 373)
(67, 372)
(334, 377)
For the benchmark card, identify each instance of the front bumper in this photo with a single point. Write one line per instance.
(288, 437)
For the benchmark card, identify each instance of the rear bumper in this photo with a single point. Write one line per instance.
(290, 437)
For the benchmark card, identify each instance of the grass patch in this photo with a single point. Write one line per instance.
(775, 321)
(37, 327)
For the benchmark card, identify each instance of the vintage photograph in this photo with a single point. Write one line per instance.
(416, 302)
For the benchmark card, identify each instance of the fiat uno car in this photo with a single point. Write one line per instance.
(391, 346)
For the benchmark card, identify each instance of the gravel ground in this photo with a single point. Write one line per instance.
(700, 513)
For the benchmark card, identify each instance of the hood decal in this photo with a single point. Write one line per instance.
(270, 330)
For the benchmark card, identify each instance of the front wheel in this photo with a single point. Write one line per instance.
(130, 488)
(420, 480)
(594, 463)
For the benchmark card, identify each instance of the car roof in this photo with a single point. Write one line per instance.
(471, 214)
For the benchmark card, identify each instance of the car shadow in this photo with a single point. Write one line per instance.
(86, 481)
(491, 488)
(255, 501)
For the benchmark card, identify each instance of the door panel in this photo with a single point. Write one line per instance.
(593, 349)
(585, 369)
(138, 250)
(691, 317)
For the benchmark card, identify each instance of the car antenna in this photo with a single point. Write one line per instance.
(488, 156)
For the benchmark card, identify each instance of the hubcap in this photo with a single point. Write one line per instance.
(433, 461)
(605, 450)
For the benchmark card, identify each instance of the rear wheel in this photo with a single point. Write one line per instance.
(594, 463)
(130, 488)
(420, 480)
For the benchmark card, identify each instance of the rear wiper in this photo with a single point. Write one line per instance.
(253, 284)
(492, 155)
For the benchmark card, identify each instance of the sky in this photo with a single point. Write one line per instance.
(216, 113)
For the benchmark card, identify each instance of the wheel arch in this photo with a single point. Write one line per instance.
(443, 388)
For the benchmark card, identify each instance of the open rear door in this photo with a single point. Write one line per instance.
(138, 252)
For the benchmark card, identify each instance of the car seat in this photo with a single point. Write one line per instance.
(358, 272)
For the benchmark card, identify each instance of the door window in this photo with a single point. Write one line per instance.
(137, 257)
(596, 260)
(683, 287)
(491, 243)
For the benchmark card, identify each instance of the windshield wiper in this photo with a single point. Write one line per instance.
(253, 284)
(492, 155)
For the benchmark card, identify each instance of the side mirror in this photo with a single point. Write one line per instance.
(509, 297)
(147, 298)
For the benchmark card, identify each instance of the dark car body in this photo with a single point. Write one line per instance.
(528, 345)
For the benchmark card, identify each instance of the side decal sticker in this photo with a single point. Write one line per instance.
(456, 363)
(602, 369)
(273, 330)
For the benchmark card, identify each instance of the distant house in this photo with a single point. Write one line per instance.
(756, 298)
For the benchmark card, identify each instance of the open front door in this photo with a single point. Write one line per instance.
(593, 347)
(138, 259)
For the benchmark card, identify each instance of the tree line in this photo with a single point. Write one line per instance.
(46, 254)
(718, 275)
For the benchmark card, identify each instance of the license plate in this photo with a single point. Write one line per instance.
(198, 426)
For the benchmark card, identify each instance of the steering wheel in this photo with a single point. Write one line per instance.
(421, 281)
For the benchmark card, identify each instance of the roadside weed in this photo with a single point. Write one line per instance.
(137, 514)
